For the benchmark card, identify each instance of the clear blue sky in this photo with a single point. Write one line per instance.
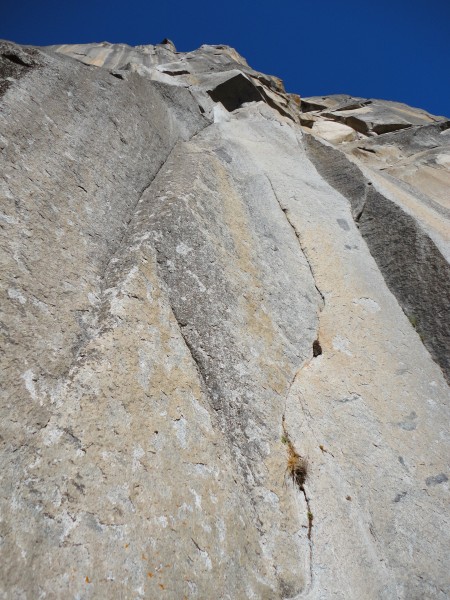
(390, 49)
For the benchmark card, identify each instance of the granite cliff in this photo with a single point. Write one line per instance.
(225, 333)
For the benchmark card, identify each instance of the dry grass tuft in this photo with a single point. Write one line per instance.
(297, 466)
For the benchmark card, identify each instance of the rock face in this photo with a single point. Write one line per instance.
(397, 184)
(225, 328)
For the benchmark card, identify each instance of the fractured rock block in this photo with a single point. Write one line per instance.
(235, 91)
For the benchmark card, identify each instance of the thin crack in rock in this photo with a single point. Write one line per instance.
(298, 472)
(91, 329)
(285, 210)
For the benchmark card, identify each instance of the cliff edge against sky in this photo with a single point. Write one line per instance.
(225, 333)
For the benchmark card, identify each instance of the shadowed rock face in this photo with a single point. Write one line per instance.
(412, 264)
(14, 62)
(213, 383)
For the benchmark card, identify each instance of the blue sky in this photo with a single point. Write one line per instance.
(390, 49)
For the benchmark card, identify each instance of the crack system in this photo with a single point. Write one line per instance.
(297, 471)
(297, 465)
(410, 261)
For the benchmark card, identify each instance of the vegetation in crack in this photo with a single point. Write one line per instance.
(297, 465)
(297, 471)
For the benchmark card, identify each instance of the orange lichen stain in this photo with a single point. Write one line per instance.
(325, 451)
(149, 574)
(161, 586)
(126, 546)
(87, 580)
(143, 557)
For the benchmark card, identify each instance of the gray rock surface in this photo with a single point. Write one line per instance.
(199, 294)
(412, 264)
(367, 115)
(397, 184)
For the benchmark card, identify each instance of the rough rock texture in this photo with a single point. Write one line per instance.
(199, 291)
(398, 186)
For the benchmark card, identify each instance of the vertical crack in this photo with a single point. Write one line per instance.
(297, 235)
(131, 214)
(409, 260)
(297, 465)
(359, 212)
(297, 471)
(310, 531)
(90, 325)
(198, 366)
